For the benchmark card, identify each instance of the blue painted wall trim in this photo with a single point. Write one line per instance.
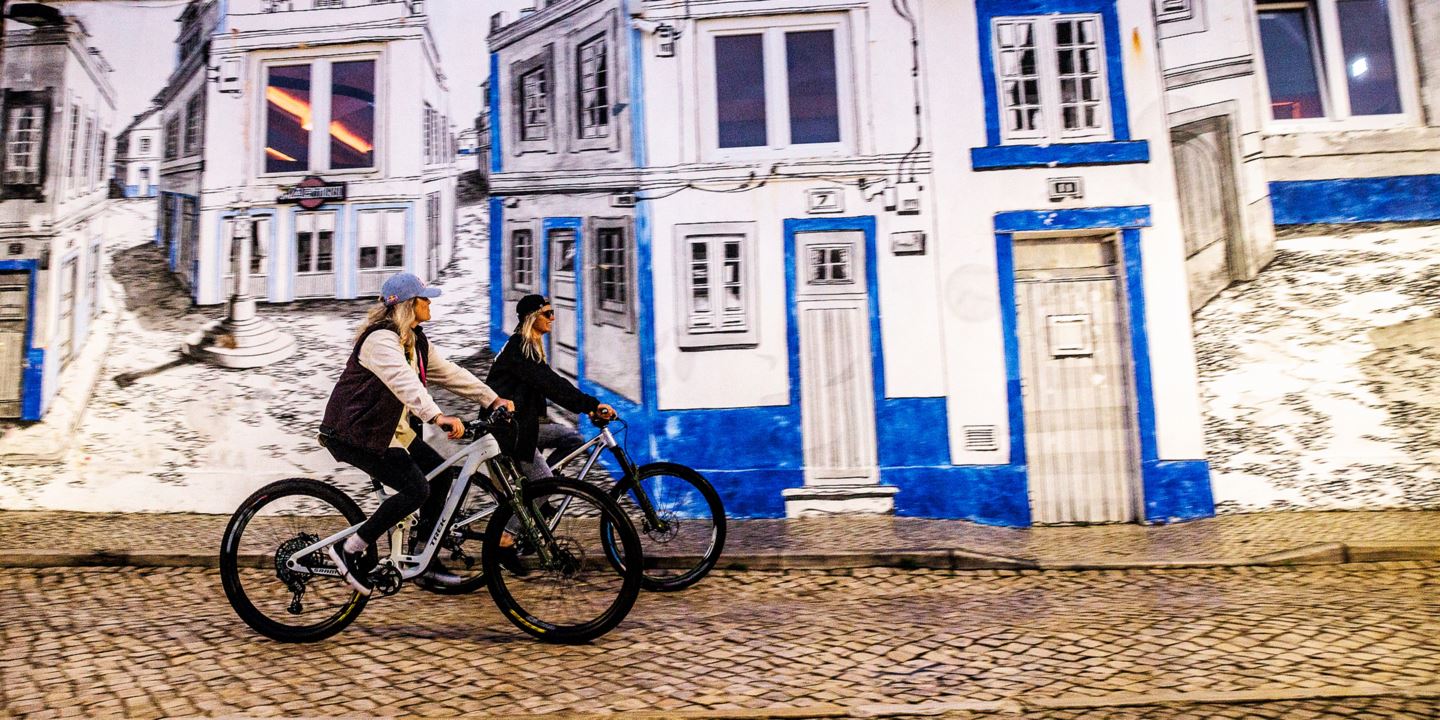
(32, 374)
(497, 154)
(1000, 157)
(988, 10)
(1350, 200)
(1077, 219)
(497, 277)
(1173, 490)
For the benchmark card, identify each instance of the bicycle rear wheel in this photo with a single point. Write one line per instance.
(683, 532)
(568, 591)
(265, 532)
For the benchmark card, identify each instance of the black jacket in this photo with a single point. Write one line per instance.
(529, 383)
(362, 411)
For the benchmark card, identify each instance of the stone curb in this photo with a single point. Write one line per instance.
(1317, 554)
(1020, 705)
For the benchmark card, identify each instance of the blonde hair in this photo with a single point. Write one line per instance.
(533, 346)
(402, 315)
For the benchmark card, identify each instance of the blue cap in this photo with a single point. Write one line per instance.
(404, 286)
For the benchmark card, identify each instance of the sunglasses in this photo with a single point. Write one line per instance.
(547, 314)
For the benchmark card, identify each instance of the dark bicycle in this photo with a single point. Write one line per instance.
(677, 512)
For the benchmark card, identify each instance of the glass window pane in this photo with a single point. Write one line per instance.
(352, 114)
(303, 261)
(1287, 40)
(740, 90)
(369, 258)
(394, 256)
(287, 120)
(323, 248)
(1369, 57)
(814, 102)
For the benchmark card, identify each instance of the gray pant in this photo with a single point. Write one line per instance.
(560, 439)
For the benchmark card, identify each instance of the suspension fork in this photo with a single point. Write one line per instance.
(630, 481)
(508, 480)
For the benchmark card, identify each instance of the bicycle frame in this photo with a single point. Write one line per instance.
(483, 449)
(605, 440)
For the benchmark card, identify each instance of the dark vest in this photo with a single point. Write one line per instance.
(362, 411)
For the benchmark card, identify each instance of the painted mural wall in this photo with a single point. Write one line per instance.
(1011, 262)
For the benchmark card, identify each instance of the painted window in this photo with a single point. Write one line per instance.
(777, 87)
(250, 230)
(352, 114)
(1331, 58)
(594, 96)
(830, 265)
(172, 139)
(345, 114)
(562, 255)
(612, 275)
(24, 141)
(1174, 10)
(522, 260)
(87, 154)
(72, 158)
(144, 145)
(1050, 73)
(193, 125)
(381, 240)
(429, 133)
(717, 304)
(534, 105)
(315, 242)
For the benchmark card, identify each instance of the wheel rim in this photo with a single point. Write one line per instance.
(572, 585)
(272, 532)
(682, 531)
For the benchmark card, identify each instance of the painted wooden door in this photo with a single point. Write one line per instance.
(14, 314)
(564, 340)
(1209, 206)
(836, 388)
(1081, 443)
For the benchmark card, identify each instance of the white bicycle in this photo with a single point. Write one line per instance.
(562, 582)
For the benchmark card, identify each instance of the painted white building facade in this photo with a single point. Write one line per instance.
(921, 257)
(345, 98)
(137, 156)
(58, 117)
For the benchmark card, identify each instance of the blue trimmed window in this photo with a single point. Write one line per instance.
(1054, 85)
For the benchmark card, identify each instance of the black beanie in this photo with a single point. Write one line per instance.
(529, 304)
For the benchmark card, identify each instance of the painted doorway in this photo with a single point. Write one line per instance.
(65, 335)
(14, 316)
(1081, 439)
(565, 341)
(837, 401)
(1209, 206)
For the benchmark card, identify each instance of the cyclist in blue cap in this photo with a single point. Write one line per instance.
(372, 420)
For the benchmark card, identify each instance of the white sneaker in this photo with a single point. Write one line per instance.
(346, 563)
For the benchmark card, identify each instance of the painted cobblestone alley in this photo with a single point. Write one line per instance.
(163, 642)
(184, 436)
(1318, 377)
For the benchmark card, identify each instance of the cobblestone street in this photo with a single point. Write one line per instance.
(164, 642)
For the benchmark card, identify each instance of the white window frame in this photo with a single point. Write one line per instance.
(171, 150)
(777, 96)
(32, 170)
(1330, 62)
(316, 222)
(598, 131)
(380, 240)
(321, 81)
(1048, 66)
(603, 314)
(144, 145)
(712, 330)
(512, 267)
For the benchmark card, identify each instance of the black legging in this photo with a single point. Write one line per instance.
(405, 472)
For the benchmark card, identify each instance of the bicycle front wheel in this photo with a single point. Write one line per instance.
(558, 585)
(680, 520)
(270, 527)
